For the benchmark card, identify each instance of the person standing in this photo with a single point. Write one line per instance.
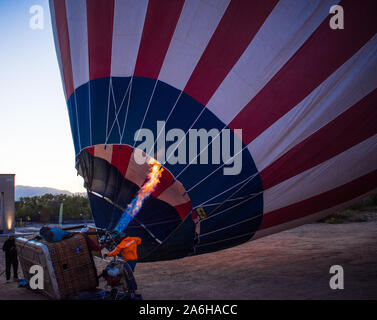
(128, 250)
(11, 258)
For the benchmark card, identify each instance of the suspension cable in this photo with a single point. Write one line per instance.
(108, 107)
(252, 196)
(197, 156)
(128, 105)
(146, 111)
(166, 120)
(183, 138)
(235, 192)
(206, 177)
(230, 188)
(117, 111)
(123, 209)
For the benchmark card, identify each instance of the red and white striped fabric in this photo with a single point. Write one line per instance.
(303, 94)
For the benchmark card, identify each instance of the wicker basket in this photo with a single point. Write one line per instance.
(68, 265)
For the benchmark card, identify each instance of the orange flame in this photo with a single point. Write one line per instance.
(147, 189)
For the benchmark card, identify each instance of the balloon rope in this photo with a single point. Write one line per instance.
(128, 102)
(235, 237)
(117, 111)
(232, 225)
(128, 105)
(206, 177)
(108, 107)
(229, 226)
(166, 120)
(230, 188)
(184, 136)
(146, 111)
(235, 192)
(184, 169)
(230, 200)
(121, 208)
(252, 196)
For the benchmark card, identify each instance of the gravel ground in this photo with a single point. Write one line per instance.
(293, 264)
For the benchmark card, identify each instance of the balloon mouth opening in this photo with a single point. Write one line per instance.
(150, 185)
(116, 173)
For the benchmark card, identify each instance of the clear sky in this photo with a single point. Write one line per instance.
(36, 142)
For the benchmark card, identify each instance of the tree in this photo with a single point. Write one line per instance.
(46, 208)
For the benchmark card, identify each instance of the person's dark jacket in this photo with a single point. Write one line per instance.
(10, 249)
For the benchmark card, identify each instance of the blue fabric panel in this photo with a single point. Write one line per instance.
(102, 211)
(73, 122)
(187, 113)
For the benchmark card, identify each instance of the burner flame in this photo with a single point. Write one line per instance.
(133, 208)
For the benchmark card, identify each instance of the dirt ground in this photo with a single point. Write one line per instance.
(293, 264)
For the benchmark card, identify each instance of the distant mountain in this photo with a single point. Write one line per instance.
(27, 191)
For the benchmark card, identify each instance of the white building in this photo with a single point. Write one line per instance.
(7, 215)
